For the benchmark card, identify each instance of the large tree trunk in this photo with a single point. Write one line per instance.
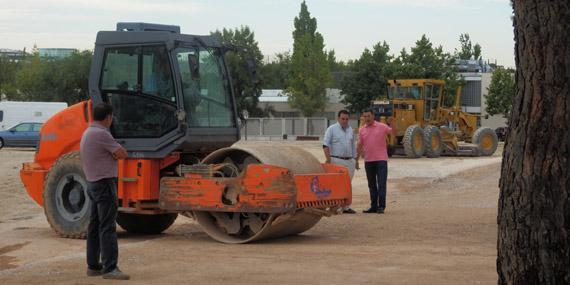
(534, 204)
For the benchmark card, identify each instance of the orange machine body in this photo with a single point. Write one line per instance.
(262, 188)
(141, 189)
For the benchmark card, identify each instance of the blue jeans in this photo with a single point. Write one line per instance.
(377, 174)
(102, 248)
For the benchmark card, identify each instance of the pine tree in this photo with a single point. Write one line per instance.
(309, 74)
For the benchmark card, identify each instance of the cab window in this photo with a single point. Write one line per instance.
(138, 83)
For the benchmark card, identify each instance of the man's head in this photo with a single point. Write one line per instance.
(342, 118)
(368, 115)
(103, 114)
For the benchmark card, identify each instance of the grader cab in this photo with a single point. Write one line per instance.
(430, 122)
(175, 113)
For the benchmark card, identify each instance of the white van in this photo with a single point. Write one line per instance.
(12, 112)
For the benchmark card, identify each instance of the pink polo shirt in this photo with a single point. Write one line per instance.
(373, 139)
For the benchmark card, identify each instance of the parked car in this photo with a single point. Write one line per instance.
(502, 133)
(25, 134)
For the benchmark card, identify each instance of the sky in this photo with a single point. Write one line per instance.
(348, 26)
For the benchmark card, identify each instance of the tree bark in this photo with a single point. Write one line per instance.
(534, 204)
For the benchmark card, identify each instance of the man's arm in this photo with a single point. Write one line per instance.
(359, 150)
(390, 123)
(327, 139)
(355, 152)
(120, 153)
(117, 151)
(359, 146)
(327, 152)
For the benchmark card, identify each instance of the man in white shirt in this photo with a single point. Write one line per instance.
(339, 147)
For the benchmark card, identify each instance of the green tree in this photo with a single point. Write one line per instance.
(477, 52)
(309, 74)
(500, 92)
(275, 72)
(467, 49)
(424, 61)
(43, 79)
(246, 90)
(73, 77)
(8, 70)
(367, 77)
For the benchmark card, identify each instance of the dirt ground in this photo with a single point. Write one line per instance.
(439, 228)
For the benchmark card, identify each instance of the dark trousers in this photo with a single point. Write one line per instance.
(377, 173)
(102, 249)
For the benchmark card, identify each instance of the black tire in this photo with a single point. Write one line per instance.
(486, 140)
(1, 143)
(413, 141)
(66, 204)
(433, 141)
(145, 224)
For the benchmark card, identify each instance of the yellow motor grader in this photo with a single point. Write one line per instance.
(430, 122)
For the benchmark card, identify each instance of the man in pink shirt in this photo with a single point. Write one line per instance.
(373, 144)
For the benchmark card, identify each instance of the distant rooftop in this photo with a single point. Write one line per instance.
(470, 65)
(56, 53)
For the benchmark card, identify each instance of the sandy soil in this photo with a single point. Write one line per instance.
(439, 228)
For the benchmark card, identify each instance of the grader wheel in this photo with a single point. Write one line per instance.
(433, 141)
(487, 141)
(414, 141)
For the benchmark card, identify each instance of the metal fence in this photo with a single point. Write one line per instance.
(287, 128)
(283, 128)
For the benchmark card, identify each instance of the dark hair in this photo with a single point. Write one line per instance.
(343, 112)
(101, 111)
(368, 110)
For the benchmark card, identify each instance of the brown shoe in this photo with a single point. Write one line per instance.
(116, 274)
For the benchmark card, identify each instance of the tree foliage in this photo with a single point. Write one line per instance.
(44, 79)
(424, 61)
(366, 80)
(246, 89)
(500, 92)
(8, 70)
(309, 74)
(275, 72)
(467, 50)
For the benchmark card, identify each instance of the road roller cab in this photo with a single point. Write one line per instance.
(175, 113)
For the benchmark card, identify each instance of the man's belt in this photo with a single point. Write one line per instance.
(340, 157)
